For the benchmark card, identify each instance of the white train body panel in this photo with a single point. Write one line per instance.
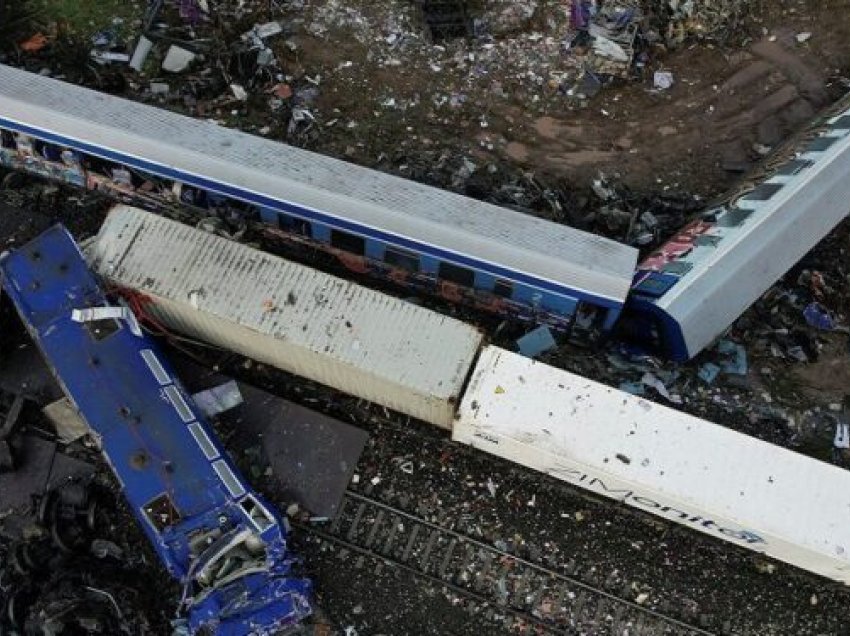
(317, 326)
(791, 212)
(236, 164)
(701, 475)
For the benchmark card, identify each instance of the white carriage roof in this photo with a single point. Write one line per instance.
(761, 235)
(403, 208)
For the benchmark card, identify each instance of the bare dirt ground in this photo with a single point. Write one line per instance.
(729, 100)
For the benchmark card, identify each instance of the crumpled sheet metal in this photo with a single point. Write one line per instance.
(701, 18)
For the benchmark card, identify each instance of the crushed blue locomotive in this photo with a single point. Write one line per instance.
(215, 535)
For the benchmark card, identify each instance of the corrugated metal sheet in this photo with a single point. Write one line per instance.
(542, 249)
(318, 326)
(682, 468)
(799, 210)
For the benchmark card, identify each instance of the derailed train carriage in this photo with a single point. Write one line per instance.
(688, 291)
(676, 302)
(427, 239)
(212, 532)
(684, 469)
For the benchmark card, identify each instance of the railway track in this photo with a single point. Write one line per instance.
(533, 599)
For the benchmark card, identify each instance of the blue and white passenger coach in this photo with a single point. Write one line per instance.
(688, 291)
(212, 532)
(431, 240)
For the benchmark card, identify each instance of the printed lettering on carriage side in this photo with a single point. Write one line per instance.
(629, 496)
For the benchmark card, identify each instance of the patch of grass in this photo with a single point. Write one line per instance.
(85, 17)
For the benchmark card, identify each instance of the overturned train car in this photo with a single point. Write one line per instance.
(212, 532)
(432, 241)
(675, 302)
(691, 289)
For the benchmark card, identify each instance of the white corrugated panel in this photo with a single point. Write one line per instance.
(406, 210)
(728, 279)
(654, 458)
(318, 326)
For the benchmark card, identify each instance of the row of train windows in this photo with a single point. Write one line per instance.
(407, 261)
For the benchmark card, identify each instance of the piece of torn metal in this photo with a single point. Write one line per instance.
(177, 59)
(239, 92)
(537, 341)
(140, 53)
(107, 57)
(662, 80)
(708, 372)
(218, 399)
(65, 419)
(610, 49)
(96, 314)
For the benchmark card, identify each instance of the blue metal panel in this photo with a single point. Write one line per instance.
(375, 249)
(175, 475)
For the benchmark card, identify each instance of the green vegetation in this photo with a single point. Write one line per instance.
(16, 21)
(84, 17)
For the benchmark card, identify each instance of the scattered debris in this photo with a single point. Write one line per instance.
(537, 341)
(35, 43)
(106, 57)
(734, 357)
(708, 372)
(817, 317)
(65, 419)
(650, 380)
(218, 399)
(177, 59)
(140, 53)
(662, 80)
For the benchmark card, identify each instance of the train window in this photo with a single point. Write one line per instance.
(405, 260)
(734, 217)
(180, 405)
(763, 192)
(348, 242)
(588, 317)
(228, 478)
(820, 144)
(7, 140)
(503, 288)
(793, 167)
(51, 152)
(680, 268)
(295, 225)
(707, 240)
(302, 227)
(456, 274)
